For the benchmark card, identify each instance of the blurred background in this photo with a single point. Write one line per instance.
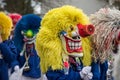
(40, 7)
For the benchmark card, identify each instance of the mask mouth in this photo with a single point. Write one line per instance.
(73, 45)
(29, 40)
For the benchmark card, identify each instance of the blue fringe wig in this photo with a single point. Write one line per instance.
(29, 21)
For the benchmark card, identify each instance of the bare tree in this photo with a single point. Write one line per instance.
(49, 4)
(19, 6)
(114, 3)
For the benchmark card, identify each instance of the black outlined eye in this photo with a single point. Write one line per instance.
(71, 28)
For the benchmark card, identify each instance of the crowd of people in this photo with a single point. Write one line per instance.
(65, 44)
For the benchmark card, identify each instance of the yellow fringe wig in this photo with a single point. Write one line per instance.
(48, 42)
(5, 26)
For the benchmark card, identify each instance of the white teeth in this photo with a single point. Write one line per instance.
(72, 44)
(77, 44)
(69, 43)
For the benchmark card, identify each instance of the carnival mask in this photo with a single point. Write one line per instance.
(72, 39)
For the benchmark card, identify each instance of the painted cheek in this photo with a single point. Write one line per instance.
(69, 34)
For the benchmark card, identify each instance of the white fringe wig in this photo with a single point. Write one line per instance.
(107, 24)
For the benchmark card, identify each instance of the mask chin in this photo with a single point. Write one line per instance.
(76, 54)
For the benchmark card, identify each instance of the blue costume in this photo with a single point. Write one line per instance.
(8, 59)
(10, 44)
(98, 70)
(33, 62)
(29, 23)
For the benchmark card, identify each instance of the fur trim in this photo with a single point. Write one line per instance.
(5, 26)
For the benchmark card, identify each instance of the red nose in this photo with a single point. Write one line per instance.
(85, 30)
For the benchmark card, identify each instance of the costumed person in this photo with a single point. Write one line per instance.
(24, 39)
(107, 25)
(63, 44)
(15, 18)
(7, 49)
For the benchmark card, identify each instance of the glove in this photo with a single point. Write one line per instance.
(86, 73)
(109, 71)
(17, 74)
(16, 68)
(88, 76)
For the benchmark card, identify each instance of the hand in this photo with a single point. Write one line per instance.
(88, 76)
(86, 70)
(86, 73)
(16, 68)
(109, 71)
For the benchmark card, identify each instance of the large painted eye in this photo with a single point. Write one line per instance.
(28, 33)
(71, 28)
